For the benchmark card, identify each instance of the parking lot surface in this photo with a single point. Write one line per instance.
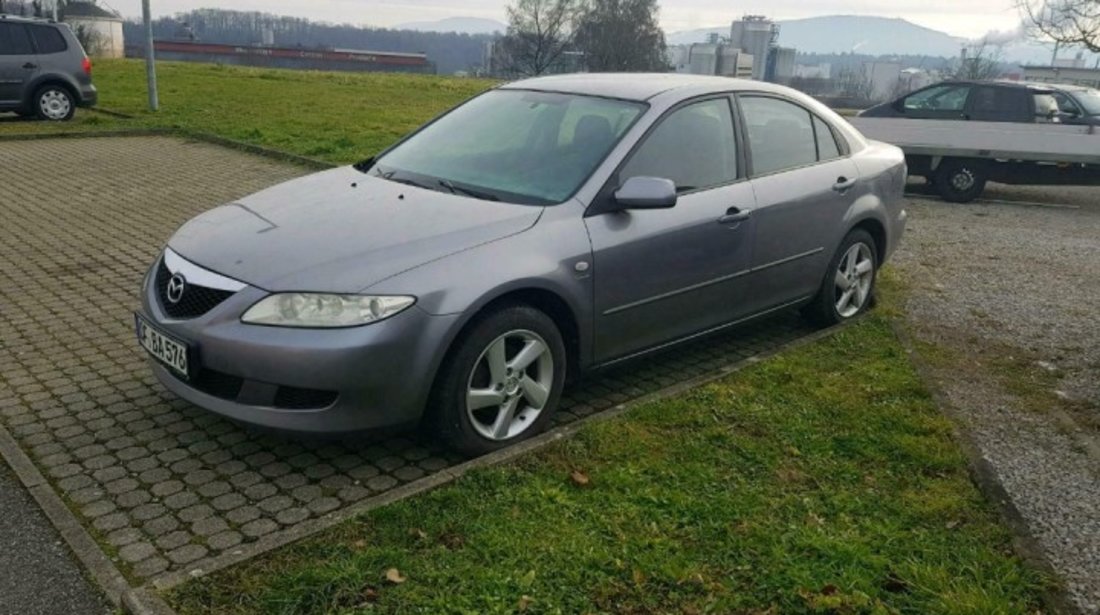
(161, 484)
(1000, 284)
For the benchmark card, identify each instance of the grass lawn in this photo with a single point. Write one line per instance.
(337, 117)
(823, 480)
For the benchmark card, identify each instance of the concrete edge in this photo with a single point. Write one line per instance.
(183, 134)
(271, 542)
(99, 567)
(985, 477)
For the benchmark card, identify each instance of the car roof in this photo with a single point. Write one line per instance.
(636, 86)
(20, 19)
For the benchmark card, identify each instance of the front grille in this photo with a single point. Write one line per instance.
(292, 398)
(196, 300)
(215, 383)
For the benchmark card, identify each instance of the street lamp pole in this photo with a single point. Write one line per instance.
(150, 57)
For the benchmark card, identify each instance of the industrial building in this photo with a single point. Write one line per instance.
(353, 60)
(711, 59)
(756, 35)
(1070, 75)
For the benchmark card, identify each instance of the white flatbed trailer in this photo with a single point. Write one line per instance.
(959, 157)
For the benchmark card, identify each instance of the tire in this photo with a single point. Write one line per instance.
(470, 403)
(960, 180)
(827, 308)
(54, 103)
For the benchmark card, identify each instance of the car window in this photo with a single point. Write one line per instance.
(1089, 99)
(1066, 104)
(694, 147)
(781, 134)
(938, 98)
(14, 40)
(516, 146)
(48, 40)
(827, 148)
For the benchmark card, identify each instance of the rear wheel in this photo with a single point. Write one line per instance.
(54, 103)
(961, 181)
(502, 383)
(849, 286)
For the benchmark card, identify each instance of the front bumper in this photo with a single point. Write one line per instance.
(381, 374)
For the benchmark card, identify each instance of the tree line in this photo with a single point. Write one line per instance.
(595, 35)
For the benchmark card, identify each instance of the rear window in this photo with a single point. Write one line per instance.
(48, 40)
(14, 41)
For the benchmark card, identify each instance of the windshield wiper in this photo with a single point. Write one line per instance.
(389, 175)
(477, 194)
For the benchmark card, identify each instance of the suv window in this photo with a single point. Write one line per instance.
(938, 98)
(694, 147)
(1066, 104)
(781, 134)
(14, 41)
(48, 39)
(827, 148)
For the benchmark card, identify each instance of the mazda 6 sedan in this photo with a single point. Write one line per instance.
(543, 229)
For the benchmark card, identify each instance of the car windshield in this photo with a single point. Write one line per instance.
(1090, 100)
(516, 146)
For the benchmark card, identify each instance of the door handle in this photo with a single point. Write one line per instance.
(30, 66)
(735, 216)
(843, 184)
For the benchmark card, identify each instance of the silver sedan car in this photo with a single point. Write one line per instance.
(545, 228)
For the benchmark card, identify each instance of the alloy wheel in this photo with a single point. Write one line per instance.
(854, 277)
(510, 385)
(55, 104)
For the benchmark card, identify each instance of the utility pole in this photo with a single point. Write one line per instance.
(55, 3)
(150, 57)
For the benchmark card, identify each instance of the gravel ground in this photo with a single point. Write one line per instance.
(986, 279)
(37, 574)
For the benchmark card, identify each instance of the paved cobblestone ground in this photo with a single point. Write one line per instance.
(160, 483)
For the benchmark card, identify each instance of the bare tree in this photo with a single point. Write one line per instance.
(981, 61)
(1069, 22)
(622, 36)
(539, 34)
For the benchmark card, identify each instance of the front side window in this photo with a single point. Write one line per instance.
(14, 40)
(939, 98)
(693, 146)
(1064, 104)
(534, 148)
(48, 40)
(781, 134)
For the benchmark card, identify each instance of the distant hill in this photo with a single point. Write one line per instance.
(872, 36)
(462, 25)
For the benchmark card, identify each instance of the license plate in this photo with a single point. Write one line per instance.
(171, 352)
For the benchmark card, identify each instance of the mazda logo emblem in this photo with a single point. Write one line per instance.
(175, 289)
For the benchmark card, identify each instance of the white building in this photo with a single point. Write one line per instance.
(711, 59)
(813, 71)
(755, 35)
(883, 79)
(99, 28)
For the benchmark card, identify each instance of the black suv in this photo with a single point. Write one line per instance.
(43, 69)
(996, 101)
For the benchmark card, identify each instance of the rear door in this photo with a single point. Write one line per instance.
(805, 183)
(18, 63)
(992, 103)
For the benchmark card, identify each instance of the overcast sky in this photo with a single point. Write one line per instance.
(970, 18)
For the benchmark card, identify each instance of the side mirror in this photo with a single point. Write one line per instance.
(647, 193)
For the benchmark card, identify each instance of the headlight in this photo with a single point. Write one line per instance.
(311, 310)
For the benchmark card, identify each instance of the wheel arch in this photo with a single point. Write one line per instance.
(57, 80)
(877, 230)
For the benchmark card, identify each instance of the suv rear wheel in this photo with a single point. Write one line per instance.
(54, 103)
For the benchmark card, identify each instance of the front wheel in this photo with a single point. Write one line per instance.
(961, 181)
(849, 283)
(502, 383)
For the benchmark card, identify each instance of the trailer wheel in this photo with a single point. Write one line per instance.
(961, 181)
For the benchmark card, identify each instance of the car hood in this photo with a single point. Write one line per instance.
(341, 231)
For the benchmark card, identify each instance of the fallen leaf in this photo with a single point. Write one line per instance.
(815, 520)
(524, 602)
(639, 577)
(418, 533)
(828, 590)
(579, 478)
(359, 545)
(370, 596)
(954, 523)
(394, 576)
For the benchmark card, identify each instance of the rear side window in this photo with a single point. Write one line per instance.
(827, 148)
(48, 40)
(781, 134)
(14, 40)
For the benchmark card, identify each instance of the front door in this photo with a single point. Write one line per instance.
(661, 275)
(18, 62)
(805, 185)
